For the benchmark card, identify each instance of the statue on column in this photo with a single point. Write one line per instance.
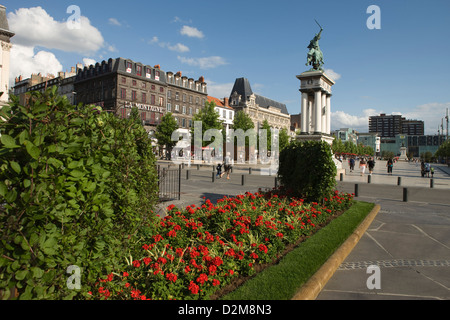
(315, 55)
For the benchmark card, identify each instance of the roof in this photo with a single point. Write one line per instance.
(219, 103)
(243, 88)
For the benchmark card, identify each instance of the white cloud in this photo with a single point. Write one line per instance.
(178, 48)
(204, 63)
(114, 22)
(88, 62)
(191, 32)
(332, 74)
(24, 61)
(35, 27)
(219, 90)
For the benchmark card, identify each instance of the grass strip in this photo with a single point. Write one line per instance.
(282, 281)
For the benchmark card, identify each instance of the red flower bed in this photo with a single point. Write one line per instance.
(195, 251)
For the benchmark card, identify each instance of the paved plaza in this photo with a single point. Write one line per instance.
(408, 240)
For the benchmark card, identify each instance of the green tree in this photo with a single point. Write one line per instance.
(209, 118)
(267, 127)
(244, 122)
(164, 132)
(444, 151)
(283, 139)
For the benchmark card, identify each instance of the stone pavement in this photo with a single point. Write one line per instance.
(409, 241)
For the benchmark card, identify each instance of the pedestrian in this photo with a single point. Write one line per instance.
(362, 166)
(427, 169)
(352, 164)
(227, 166)
(390, 165)
(371, 165)
(219, 170)
(432, 172)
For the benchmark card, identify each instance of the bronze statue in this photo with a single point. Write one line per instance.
(315, 55)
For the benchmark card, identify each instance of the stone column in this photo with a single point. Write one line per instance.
(324, 112)
(305, 113)
(329, 113)
(318, 112)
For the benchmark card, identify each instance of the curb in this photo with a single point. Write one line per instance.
(311, 289)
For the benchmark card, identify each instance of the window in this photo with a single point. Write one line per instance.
(161, 90)
(183, 122)
(184, 109)
(139, 70)
(134, 83)
(177, 96)
(123, 93)
(148, 73)
(124, 80)
(157, 75)
(184, 98)
(161, 101)
(190, 110)
(129, 66)
(169, 107)
(143, 116)
(133, 95)
(177, 107)
(144, 98)
(153, 101)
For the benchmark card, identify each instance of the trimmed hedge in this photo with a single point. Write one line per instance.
(76, 183)
(307, 169)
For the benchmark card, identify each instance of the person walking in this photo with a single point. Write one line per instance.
(352, 164)
(227, 166)
(362, 166)
(219, 170)
(390, 166)
(371, 165)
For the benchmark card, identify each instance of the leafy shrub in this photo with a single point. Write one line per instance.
(75, 185)
(307, 169)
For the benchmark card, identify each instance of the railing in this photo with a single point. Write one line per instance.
(169, 183)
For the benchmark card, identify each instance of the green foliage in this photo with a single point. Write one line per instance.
(243, 121)
(339, 147)
(209, 118)
(444, 150)
(76, 184)
(164, 131)
(308, 170)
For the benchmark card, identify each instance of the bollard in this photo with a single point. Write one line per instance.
(399, 181)
(214, 169)
(213, 176)
(243, 180)
(342, 177)
(198, 167)
(405, 194)
(356, 190)
(431, 183)
(188, 174)
(369, 179)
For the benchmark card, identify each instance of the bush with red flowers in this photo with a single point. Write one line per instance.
(193, 252)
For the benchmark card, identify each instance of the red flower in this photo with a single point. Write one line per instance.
(202, 278)
(193, 288)
(147, 260)
(171, 277)
(279, 235)
(262, 248)
(136, 263)
(215, 282)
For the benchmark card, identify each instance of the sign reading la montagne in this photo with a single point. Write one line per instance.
(144, 107)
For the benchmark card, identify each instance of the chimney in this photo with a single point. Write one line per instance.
(201, 79)
(226, 102)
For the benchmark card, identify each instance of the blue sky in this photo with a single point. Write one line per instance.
(401, 68)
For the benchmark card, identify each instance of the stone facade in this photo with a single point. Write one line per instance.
(258, 107)
(5, 36)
